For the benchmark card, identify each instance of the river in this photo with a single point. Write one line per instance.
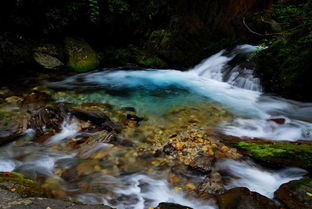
(216, 95)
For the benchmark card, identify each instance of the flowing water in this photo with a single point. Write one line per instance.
(214, 93)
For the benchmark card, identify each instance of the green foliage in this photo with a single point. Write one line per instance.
(94, 11)
(255, 53)
(285, 67)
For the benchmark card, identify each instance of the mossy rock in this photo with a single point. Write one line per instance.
(81, 56)
(279, 153)
(16, 182)
(296, 194)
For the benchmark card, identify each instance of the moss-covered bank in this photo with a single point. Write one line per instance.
(16, 182)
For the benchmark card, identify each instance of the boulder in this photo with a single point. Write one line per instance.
(242, 198)
(47, 61)
(47, 119)
(98, 118)
(11, 126)
(81, 56)
(296, 194)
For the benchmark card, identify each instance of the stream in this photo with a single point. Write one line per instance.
(212, 96)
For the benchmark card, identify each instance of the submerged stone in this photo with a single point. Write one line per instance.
(212, 185)
(202, 163)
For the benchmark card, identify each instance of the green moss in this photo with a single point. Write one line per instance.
(298, 183)
(151, 62)
(133, 55)
(301, 154)
(17, 182)
(81, 57)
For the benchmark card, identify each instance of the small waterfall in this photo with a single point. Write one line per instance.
(216, 67)
(264, 181)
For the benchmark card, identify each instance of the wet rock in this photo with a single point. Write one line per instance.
(202, 163)
(11, 126)
(16, 182)
(168, 149)
(280, 121)
(35, 98)
(47, 61)
(184, 171)
(296, 194)
(81, 57)
(13, 100)
(242, 198)
(94, 142)
(212, 185)
(46, 119)
(166, 205)
(132, 121)
(134, 118)
(96, 117)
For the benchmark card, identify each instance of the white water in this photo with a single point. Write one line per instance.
(7, 165)
(140, 191)
(255, 178)
(68, 130)
(236, 89)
